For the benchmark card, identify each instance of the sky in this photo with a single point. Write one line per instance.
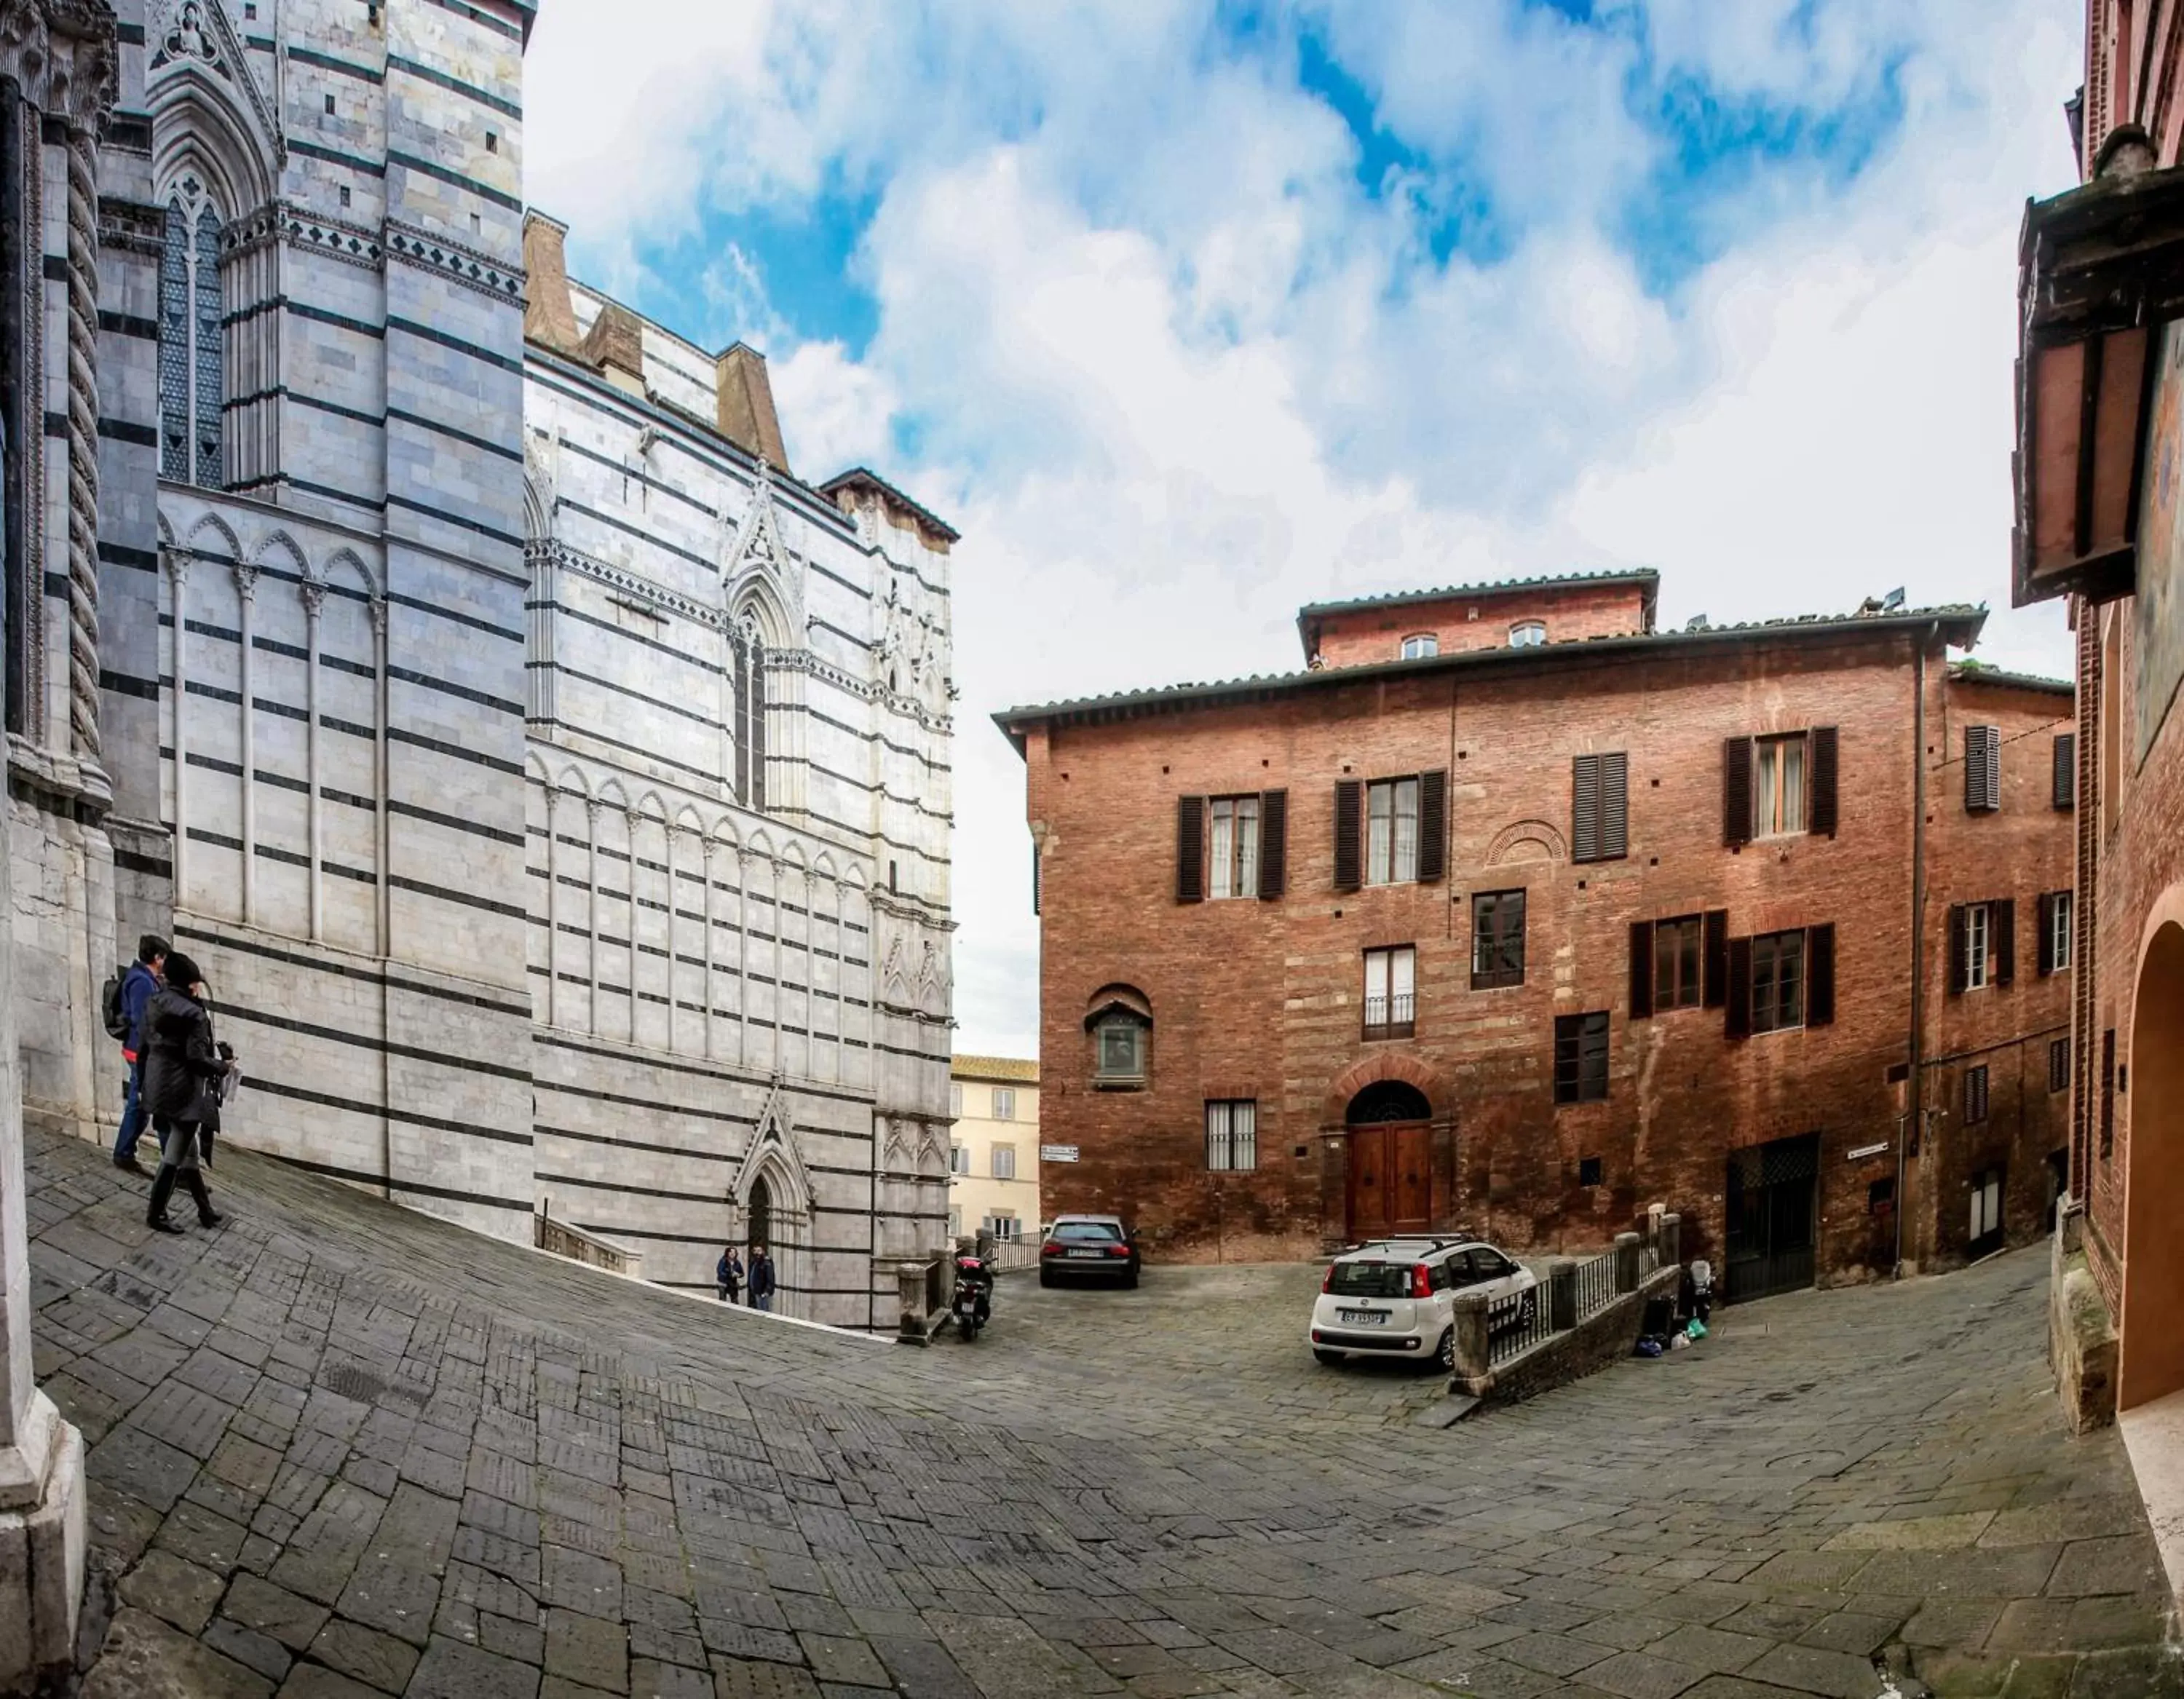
(1188, 312)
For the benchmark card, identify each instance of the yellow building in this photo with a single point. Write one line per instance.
(993, 1159)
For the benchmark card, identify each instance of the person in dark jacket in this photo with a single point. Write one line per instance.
(761, 1278)
(729, 1276)
(182, 1072)
(137, 985)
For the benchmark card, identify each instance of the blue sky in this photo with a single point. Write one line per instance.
(1187, 311)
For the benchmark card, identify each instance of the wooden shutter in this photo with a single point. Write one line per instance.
(1736, 791)
(1820, 975)
(1274, 844)
(1821, 817)
(1349, 827)
(1737, 1021)
(1191, 848)
(2044, 919)
(1957, 948)
(1642, 969)
(2066, 771)
(1433, 825)
(1714, 974)
(2004, 923)
(1982, 769)
(1614, 806)
(1585, 808)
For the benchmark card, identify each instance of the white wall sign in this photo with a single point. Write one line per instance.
(1058, 1153)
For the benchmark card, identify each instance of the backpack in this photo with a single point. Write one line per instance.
(110, 1003)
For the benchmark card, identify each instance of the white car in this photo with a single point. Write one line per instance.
(1396, 1297)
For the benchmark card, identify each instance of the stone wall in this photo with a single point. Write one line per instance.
(1606, 1335)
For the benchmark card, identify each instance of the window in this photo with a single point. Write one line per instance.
(956, 1099)
(1588, 1170)
(1120, 1043)
(1600, 807)
(1391, 831)
(1005, 1161)
(492, 142)
(1982, 769)
(1391, 992)
(1978, 939)
(955, 1222)
(1881, 1196)
(190, 380)
(1497, 940)
(1004, 1225)
(1581, 1058)
(959, 1159)
(1528, 634)
(345, 194)
(2057, 910)
(1678, 962)
(1005, 1103)
(1779, 798)
(1235, 869)
(1778, 981)
(2058, 1065)
(330, 106)
(747, 662)
(1232, 1134)
(1985, 1224)
(1421, 647)
(1975, 1093)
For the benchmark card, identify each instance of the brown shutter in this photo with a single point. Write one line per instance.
(1822, 816)
(1274, 844)
(1585, 808)
(1736, 791)
(1957, 947)
(1614, 807)
(1349, 825)
(1714, 970)
(1191, 848)
(2044, 919)
(1820, 975)
(2066, 771)
(2005, 941)
(1737, 1021)
(1433, 825)
(1642, 969)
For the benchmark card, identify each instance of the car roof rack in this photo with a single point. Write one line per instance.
(1431, 1241)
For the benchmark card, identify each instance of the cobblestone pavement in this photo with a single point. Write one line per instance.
(338, 1450)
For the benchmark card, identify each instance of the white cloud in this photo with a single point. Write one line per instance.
(1173, 374)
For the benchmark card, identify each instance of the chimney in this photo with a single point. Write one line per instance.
(548, 318)
(616, 345)
(745, 403)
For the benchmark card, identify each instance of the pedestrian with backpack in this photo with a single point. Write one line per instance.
(126, 995)
(183, 1074)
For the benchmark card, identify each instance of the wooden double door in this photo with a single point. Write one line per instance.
(1389, 1181)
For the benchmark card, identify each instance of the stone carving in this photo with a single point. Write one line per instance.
(186, 39)
(195, 39)
(83, 442)
(65, 55)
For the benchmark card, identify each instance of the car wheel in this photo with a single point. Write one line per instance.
(1130, 1281)
(1331, 1358)
(1445, 1352)
(1045, 1278)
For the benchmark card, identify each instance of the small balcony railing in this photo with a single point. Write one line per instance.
(1391, 1017)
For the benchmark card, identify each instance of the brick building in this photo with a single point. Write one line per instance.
(1513, 913)
(2100, 447)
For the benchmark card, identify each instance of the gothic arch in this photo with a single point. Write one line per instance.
(1527, 840)
(756, 597)
(280, 543)
(538, 522)
(217, 526)
(364, 576)
(208, 116)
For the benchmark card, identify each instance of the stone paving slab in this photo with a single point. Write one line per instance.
(340, 1450)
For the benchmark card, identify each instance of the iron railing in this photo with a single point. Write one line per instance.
(1391, 1018)
(1596, 1283)
(1528, 1325)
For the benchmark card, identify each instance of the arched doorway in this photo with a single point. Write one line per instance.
(1388, 1186)
(2152, 1337)
(761, 1214)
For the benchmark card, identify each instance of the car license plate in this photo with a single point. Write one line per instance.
(1370, 1319)
(1084, 1253)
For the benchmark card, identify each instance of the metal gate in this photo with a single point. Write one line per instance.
(1771, 1195)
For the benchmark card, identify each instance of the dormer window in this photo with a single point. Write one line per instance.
(1421, 646)
(1528, 634)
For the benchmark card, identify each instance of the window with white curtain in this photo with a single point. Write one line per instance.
(1235, 848)
(1232, 1134)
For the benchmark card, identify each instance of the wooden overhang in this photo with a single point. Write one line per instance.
(2100, 272)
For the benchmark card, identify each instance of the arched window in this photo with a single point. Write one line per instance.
(1528, 634)
(761, 1213)
(747, 651)
(1121, 1023)
(1420, 645)
(190, 378)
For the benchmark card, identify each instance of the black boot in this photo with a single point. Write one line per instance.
(207, 1215)
(163, 1188)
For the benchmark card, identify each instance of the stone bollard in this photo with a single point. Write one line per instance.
(1626, 1262)
(1561, 1294)
(1473, 1355)
(910, 1285)
(1672, 1241)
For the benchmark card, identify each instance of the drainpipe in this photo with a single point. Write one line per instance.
(1913, 1079)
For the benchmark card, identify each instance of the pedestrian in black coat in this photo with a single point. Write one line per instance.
(183, 1073)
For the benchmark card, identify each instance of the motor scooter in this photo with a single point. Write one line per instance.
(973, 1303)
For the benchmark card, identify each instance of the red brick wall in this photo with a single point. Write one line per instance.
(1262, 999)
(1367, 635)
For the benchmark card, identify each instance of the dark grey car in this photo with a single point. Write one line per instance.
(1088, 1247)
